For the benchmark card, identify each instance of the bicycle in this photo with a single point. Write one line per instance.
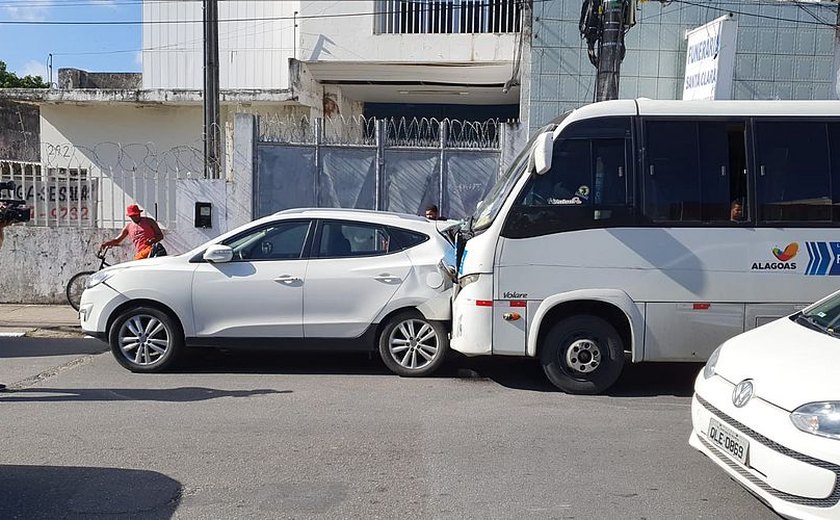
(77, 283)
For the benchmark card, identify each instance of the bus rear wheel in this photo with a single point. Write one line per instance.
(582, 355)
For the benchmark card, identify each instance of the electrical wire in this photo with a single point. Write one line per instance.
(753, 15)
(462, 6)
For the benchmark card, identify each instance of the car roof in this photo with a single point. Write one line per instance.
(405, 220)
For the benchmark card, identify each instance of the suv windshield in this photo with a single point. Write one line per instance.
(824, 316)
(488, 208)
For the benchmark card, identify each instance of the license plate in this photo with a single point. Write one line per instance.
(729, 441)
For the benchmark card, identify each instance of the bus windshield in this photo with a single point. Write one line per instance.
(488, 208)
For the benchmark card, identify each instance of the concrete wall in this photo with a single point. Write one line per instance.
(77, 78)
(19, 129)
(37, 262)
(93, 129)
(353, 39)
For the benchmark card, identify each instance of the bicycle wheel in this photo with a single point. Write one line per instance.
(75, 287)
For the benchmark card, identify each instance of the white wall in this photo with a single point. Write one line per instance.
(352, 38)
(139, 150)
(253, 54)
(37, 262)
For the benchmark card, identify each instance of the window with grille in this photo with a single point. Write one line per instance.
(448, 16)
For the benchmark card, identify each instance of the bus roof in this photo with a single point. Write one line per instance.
(654, 107)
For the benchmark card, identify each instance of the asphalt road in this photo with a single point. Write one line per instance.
(279, 435)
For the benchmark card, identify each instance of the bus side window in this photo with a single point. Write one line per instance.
(834, 146)
(794, 180)
(694, 171)
(610, 183)
(672, 177)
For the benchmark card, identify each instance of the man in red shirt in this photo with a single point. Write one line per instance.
(144, 232)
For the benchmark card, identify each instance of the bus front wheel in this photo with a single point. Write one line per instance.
(582, 355)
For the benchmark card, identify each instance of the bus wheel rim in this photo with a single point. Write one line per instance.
(583, 356)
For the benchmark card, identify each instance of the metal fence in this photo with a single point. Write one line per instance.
(392, 165)
(89, 187)
(448, 16)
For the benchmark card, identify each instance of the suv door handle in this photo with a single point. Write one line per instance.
(288, 279)
(388, 278)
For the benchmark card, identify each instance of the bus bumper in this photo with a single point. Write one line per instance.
(472, 318)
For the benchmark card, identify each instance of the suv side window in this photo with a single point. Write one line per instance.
(405, 239)
(346, 239)
(275, 241)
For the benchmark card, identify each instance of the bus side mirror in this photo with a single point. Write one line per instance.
(543, 151)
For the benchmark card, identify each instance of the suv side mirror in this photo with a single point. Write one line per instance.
(218, 254)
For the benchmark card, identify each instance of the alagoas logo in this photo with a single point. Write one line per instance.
(789, 252)
(784, 257)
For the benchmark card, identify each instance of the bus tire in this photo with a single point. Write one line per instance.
(582, 354)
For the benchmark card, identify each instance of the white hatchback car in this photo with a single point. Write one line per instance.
(766, 409)
(308, 278)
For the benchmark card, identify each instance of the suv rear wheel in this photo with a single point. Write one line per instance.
(411, 345)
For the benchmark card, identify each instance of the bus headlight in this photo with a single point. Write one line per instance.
(466, 280)
(821, 419)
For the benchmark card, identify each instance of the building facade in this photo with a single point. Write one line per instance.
(784, 50)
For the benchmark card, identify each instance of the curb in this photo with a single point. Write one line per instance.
(42, 332)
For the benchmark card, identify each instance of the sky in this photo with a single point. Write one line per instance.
(103, 48)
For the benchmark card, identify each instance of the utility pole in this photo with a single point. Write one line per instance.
(603, 24)
(212, 123)
(837, 54)
(610, 51)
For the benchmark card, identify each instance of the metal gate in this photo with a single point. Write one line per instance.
(392, 165)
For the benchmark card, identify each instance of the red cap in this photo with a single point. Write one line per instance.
(133, 210)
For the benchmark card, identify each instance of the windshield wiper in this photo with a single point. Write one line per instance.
(812, 324)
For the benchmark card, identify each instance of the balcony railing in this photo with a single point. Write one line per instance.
(448, 16)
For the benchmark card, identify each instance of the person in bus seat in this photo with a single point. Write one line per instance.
(736, 211)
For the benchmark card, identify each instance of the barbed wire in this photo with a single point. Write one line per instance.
(181, 161)
(419, 132)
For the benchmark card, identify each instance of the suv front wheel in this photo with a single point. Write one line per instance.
(145, 339)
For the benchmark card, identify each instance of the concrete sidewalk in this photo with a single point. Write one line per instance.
(39, 320)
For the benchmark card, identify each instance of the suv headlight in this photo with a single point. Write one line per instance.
(466, 280)
(99, 277)
(709, 369)
(821, 419)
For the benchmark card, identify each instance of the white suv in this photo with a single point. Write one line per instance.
(308, 278)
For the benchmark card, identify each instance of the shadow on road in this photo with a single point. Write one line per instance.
(43, 347)
(516, 373)
(179, 395)
(84, 492)
(265, 361)
(639, 380)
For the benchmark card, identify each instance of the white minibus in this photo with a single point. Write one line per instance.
(654, 228)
